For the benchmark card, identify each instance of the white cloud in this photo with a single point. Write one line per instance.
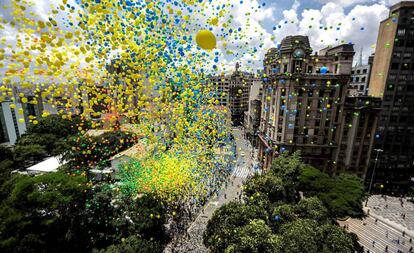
(345, 3)
(331, 25)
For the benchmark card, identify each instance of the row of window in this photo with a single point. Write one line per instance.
(358, 71)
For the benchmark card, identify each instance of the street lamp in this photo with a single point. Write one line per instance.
(373, 172)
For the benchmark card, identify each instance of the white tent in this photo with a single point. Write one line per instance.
(49, 165)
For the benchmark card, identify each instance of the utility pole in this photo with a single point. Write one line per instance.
(373, 173)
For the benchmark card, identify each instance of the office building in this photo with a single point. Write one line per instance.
(233, 91)
(359, 78)
(392, 80)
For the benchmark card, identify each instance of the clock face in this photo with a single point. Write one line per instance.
(299, 53)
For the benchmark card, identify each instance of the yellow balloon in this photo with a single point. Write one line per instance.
(206, 39)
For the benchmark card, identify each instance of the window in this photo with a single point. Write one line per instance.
(364, 71)
(401, 32)
(358, 71)
(357, 79)
(363, 79)
(410, 43)
(395, 65)
(399, 43)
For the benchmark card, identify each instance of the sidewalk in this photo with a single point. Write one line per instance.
(390, 211)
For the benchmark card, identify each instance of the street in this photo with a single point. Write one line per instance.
(231, 190)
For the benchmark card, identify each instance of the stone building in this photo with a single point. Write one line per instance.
(304, 107)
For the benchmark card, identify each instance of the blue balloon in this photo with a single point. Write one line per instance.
(324, 70)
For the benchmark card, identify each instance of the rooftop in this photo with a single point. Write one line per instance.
(49, 165)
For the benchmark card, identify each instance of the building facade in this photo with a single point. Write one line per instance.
(252, 115)
(392, 80)
(359, 78)
(305, 108)
(302, 97)
(233, 91)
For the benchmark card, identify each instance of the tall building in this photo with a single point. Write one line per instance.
(359, 78)
(392, 80)
(302, 97)
(252, 115)
(305, 108)
(233, 91)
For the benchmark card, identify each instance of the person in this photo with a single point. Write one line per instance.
(386, 248)
(373, 244)
(403, 233)
(411, 249)
(386, 233)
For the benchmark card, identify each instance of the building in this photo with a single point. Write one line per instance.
(392, 80)
(233, 91)
(359, 78)
(302, 97)
(252, 115)
(12, 122)
(356, 134)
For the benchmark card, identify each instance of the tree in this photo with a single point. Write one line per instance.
(54, 124)
(287, 167)
(345, 197)
(311, 208)
(40, 211)
(335, 239)
(25, 155)
(255, 237)
(91, 151)
(268, 185)
(134, 244)
(6, 164)
(300, 236)
(220, 233)
(313, 181)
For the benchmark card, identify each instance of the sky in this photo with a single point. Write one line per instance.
(327, 23)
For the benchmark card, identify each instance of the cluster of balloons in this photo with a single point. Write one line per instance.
(142, 63)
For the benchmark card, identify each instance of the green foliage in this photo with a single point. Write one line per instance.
(335, 239)
(91, 151)
(57, 126)
(287, 167)
(311, 208)
(345, 198)
(342, 196)
(255, 237)
(41, 211)
(6, 164)
(58, 212)
(300, 236)
(313, 181)
(134, 244)
(268, 185)
(47, 138)
(274, 219)
(219, 233)
(25, 155)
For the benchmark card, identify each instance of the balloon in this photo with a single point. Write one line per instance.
(324, 70)
(206, 39)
